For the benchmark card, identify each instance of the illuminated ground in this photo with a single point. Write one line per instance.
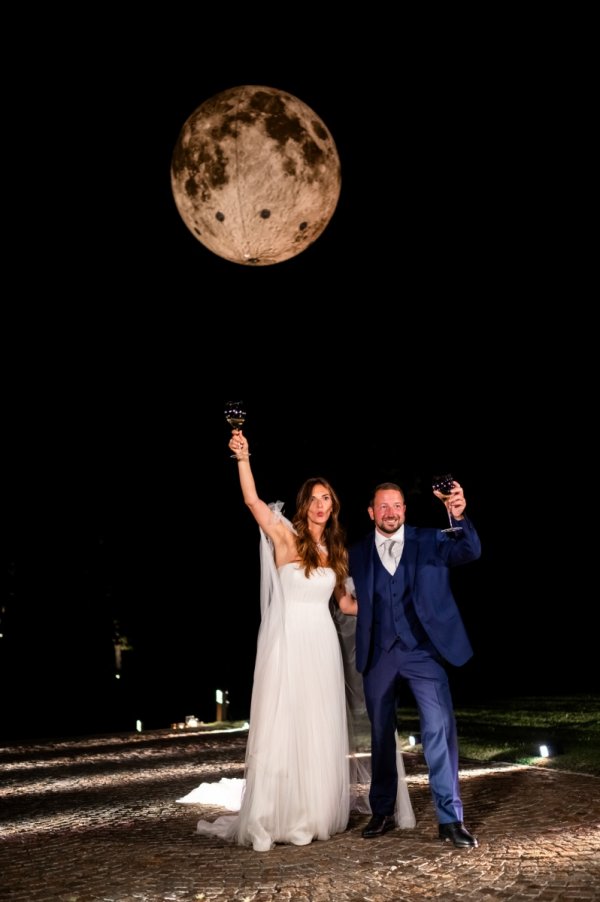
(96, 819)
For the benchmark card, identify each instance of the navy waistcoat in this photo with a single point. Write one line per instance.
(395, 618)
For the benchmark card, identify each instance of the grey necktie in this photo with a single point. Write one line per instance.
(389, 557)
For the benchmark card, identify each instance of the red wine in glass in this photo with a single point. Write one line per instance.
(444, 485)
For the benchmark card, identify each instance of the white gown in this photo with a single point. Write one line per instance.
(297, 777)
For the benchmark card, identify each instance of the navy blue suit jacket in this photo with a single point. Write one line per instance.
(427, 555)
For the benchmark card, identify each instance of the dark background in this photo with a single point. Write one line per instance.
(426, 329)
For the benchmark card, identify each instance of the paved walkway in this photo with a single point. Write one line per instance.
(95, 820)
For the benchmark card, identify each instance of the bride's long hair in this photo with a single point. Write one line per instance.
(334, 535)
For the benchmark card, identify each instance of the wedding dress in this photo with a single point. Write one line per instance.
(300, 776)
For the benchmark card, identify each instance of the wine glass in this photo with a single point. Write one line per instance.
(235, 415)
(443, 485)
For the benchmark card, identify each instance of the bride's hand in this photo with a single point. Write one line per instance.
(239, 444)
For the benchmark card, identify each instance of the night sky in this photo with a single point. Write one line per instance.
(413, 337)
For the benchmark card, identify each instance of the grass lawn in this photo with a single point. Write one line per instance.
(512, 730)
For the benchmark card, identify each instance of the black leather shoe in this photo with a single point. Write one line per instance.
(458, 834)
(378, 825)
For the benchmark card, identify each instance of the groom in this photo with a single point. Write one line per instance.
(408, 623)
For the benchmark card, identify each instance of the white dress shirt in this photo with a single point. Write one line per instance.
(398, 548)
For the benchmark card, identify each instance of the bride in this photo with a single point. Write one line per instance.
(299, 772)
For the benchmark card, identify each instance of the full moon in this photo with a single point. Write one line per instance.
(255, 175)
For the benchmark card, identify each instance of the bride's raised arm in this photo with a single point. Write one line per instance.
(283, 540)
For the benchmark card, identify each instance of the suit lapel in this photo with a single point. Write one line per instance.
(366, 575)
(409, 555)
